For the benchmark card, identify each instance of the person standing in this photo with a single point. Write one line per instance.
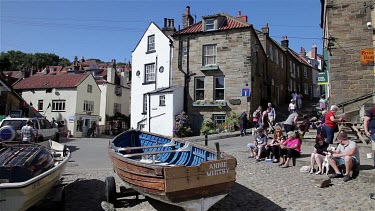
(291, 122)
(369, 125)
(243, 121)
(299, 100)
(294, 96)
(27, 132)
(292, 106)
(330, 124)
(271, 114)
(322, 103)
(264, 120)
(93, 129)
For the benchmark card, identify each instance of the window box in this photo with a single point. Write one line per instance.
(210, 67)
(210, 103)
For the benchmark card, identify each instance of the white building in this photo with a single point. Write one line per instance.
(154, 102)
(316, 61)
(71, 98)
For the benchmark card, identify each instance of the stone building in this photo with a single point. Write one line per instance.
(220, 61)
(346, 36)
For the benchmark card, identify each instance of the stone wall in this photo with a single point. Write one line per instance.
(346, 23)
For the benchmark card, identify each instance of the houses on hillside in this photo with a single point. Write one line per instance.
(71, 98)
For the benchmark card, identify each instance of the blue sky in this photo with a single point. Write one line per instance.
(111, 29)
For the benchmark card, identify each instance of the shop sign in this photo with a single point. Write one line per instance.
(367, 56)
(322, 78)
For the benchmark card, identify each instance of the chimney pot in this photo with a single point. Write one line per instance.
(239, 13)
(187, 9)
(165, 22)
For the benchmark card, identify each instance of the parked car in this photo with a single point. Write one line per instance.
(10, 129)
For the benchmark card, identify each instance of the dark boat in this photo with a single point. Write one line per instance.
(172, 170)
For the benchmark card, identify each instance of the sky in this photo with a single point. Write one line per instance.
(111, 29)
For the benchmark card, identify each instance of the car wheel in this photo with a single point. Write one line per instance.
(56, 137)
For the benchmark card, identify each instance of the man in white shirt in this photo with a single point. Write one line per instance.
(346, 154)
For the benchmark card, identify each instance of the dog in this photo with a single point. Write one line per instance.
(325, 165)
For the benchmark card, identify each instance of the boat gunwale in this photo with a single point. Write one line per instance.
(16, 185)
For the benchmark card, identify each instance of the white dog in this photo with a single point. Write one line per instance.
(325, 165)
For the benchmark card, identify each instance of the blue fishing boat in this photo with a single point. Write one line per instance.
(171, 170)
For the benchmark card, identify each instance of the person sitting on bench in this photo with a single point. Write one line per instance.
(291, 148)
(260, 143)
(346, 154)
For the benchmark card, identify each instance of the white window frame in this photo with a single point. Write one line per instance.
(162, 100)
(298, 71)
(282, 61)
(207, 56)
(116, 108)
(88, 105)
(89, 88)
(290, 67)
(58, 105)
(149, 73)
(216, 88)
(210, 24)
(218, 118)
(144, 103)
(151, 43)
(277, 56)
(199, 89)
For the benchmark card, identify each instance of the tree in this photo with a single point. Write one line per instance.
(64, 62)
(5, 64)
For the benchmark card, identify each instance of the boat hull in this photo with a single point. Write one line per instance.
(23, 195)
(202, 184)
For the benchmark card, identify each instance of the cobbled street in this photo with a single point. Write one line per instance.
(260, 186)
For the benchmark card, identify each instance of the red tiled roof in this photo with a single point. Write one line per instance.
(228, 23)
(12, 74)
(50, 81)
(301, 59)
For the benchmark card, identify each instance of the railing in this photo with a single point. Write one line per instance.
(354, 100)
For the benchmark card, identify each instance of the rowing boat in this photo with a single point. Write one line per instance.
(28, 171)
(171, 170)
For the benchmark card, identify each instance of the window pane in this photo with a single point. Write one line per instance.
(219, 94)
(199, 83)
(219, 82)
(199, 95)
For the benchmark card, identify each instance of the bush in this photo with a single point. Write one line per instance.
(208, 127)
(232, 122)
(181, 126)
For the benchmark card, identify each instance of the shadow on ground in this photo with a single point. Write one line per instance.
(242, 198)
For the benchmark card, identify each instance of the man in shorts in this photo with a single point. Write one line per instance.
(346, 154)
(260, 142)
(369, 126)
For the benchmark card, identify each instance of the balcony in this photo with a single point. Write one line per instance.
(212, 103)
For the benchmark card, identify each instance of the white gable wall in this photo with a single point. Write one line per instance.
(140, 57)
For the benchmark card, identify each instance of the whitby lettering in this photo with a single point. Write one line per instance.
(217, 169)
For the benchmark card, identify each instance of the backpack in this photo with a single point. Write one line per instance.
(256, 114)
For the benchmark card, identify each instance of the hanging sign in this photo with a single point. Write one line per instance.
(322, 78)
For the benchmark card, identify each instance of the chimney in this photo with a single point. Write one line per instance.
(111, 71)
(266, 30)
(303, 52)
(82, 59)
(285, 42)
(75, 63)
(241, 17)
(187, 19)
(314, 51)
(168, 28)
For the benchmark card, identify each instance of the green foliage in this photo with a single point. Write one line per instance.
(18, 60)
(208, 127)
(181, 126)
(232, 121)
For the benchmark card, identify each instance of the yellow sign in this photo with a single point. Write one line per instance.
(367, 56)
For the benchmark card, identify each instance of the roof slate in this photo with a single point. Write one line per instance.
(50, 81)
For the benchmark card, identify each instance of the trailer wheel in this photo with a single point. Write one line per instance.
(110, 189)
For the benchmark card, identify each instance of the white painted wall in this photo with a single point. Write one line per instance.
(73, 97)
(163, 117)
(161, 57)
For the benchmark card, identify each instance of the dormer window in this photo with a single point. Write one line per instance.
(210, 24)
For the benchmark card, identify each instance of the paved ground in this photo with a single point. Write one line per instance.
(260, 186)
